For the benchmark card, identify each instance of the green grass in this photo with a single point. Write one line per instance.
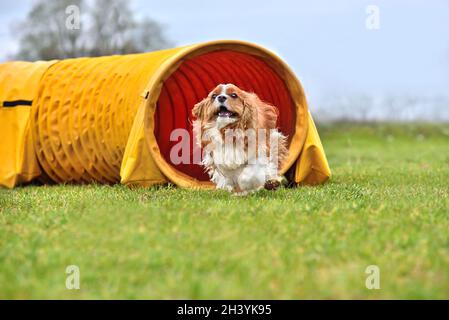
(386, 205)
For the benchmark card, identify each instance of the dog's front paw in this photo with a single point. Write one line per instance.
(272, 184)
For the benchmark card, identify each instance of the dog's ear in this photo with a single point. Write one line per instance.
(198, 109)
(268, 115)
(263, 114)
(249, 114)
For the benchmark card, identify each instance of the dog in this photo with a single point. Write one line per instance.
(242, 149)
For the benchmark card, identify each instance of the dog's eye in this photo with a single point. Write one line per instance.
(214, 96)
(234, 95)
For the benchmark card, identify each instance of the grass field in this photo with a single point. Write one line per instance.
(386, 205)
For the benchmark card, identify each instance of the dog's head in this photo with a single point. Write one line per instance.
(227, 104)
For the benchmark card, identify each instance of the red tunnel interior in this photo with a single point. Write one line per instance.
(196, 77)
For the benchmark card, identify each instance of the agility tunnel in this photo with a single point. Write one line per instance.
(110, 119)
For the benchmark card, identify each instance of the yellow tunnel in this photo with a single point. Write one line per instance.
(110, 119)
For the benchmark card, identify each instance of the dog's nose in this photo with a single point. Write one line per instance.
(221, 98)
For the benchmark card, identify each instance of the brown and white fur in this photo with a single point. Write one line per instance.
(239, 169)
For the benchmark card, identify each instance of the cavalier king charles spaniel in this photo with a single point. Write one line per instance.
(242, 149)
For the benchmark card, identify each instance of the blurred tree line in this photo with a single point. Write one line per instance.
(76, 28)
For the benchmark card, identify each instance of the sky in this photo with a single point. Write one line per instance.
(326, 42)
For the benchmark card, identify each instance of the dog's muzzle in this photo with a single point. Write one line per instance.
(225, 112)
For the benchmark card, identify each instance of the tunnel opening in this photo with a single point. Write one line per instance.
(196, 77)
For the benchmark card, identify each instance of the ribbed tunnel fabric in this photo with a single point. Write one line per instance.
(196, 77)
(83, 116)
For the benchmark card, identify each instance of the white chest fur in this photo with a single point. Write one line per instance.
(232, 167)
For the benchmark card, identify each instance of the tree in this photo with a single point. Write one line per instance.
(106, 27)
